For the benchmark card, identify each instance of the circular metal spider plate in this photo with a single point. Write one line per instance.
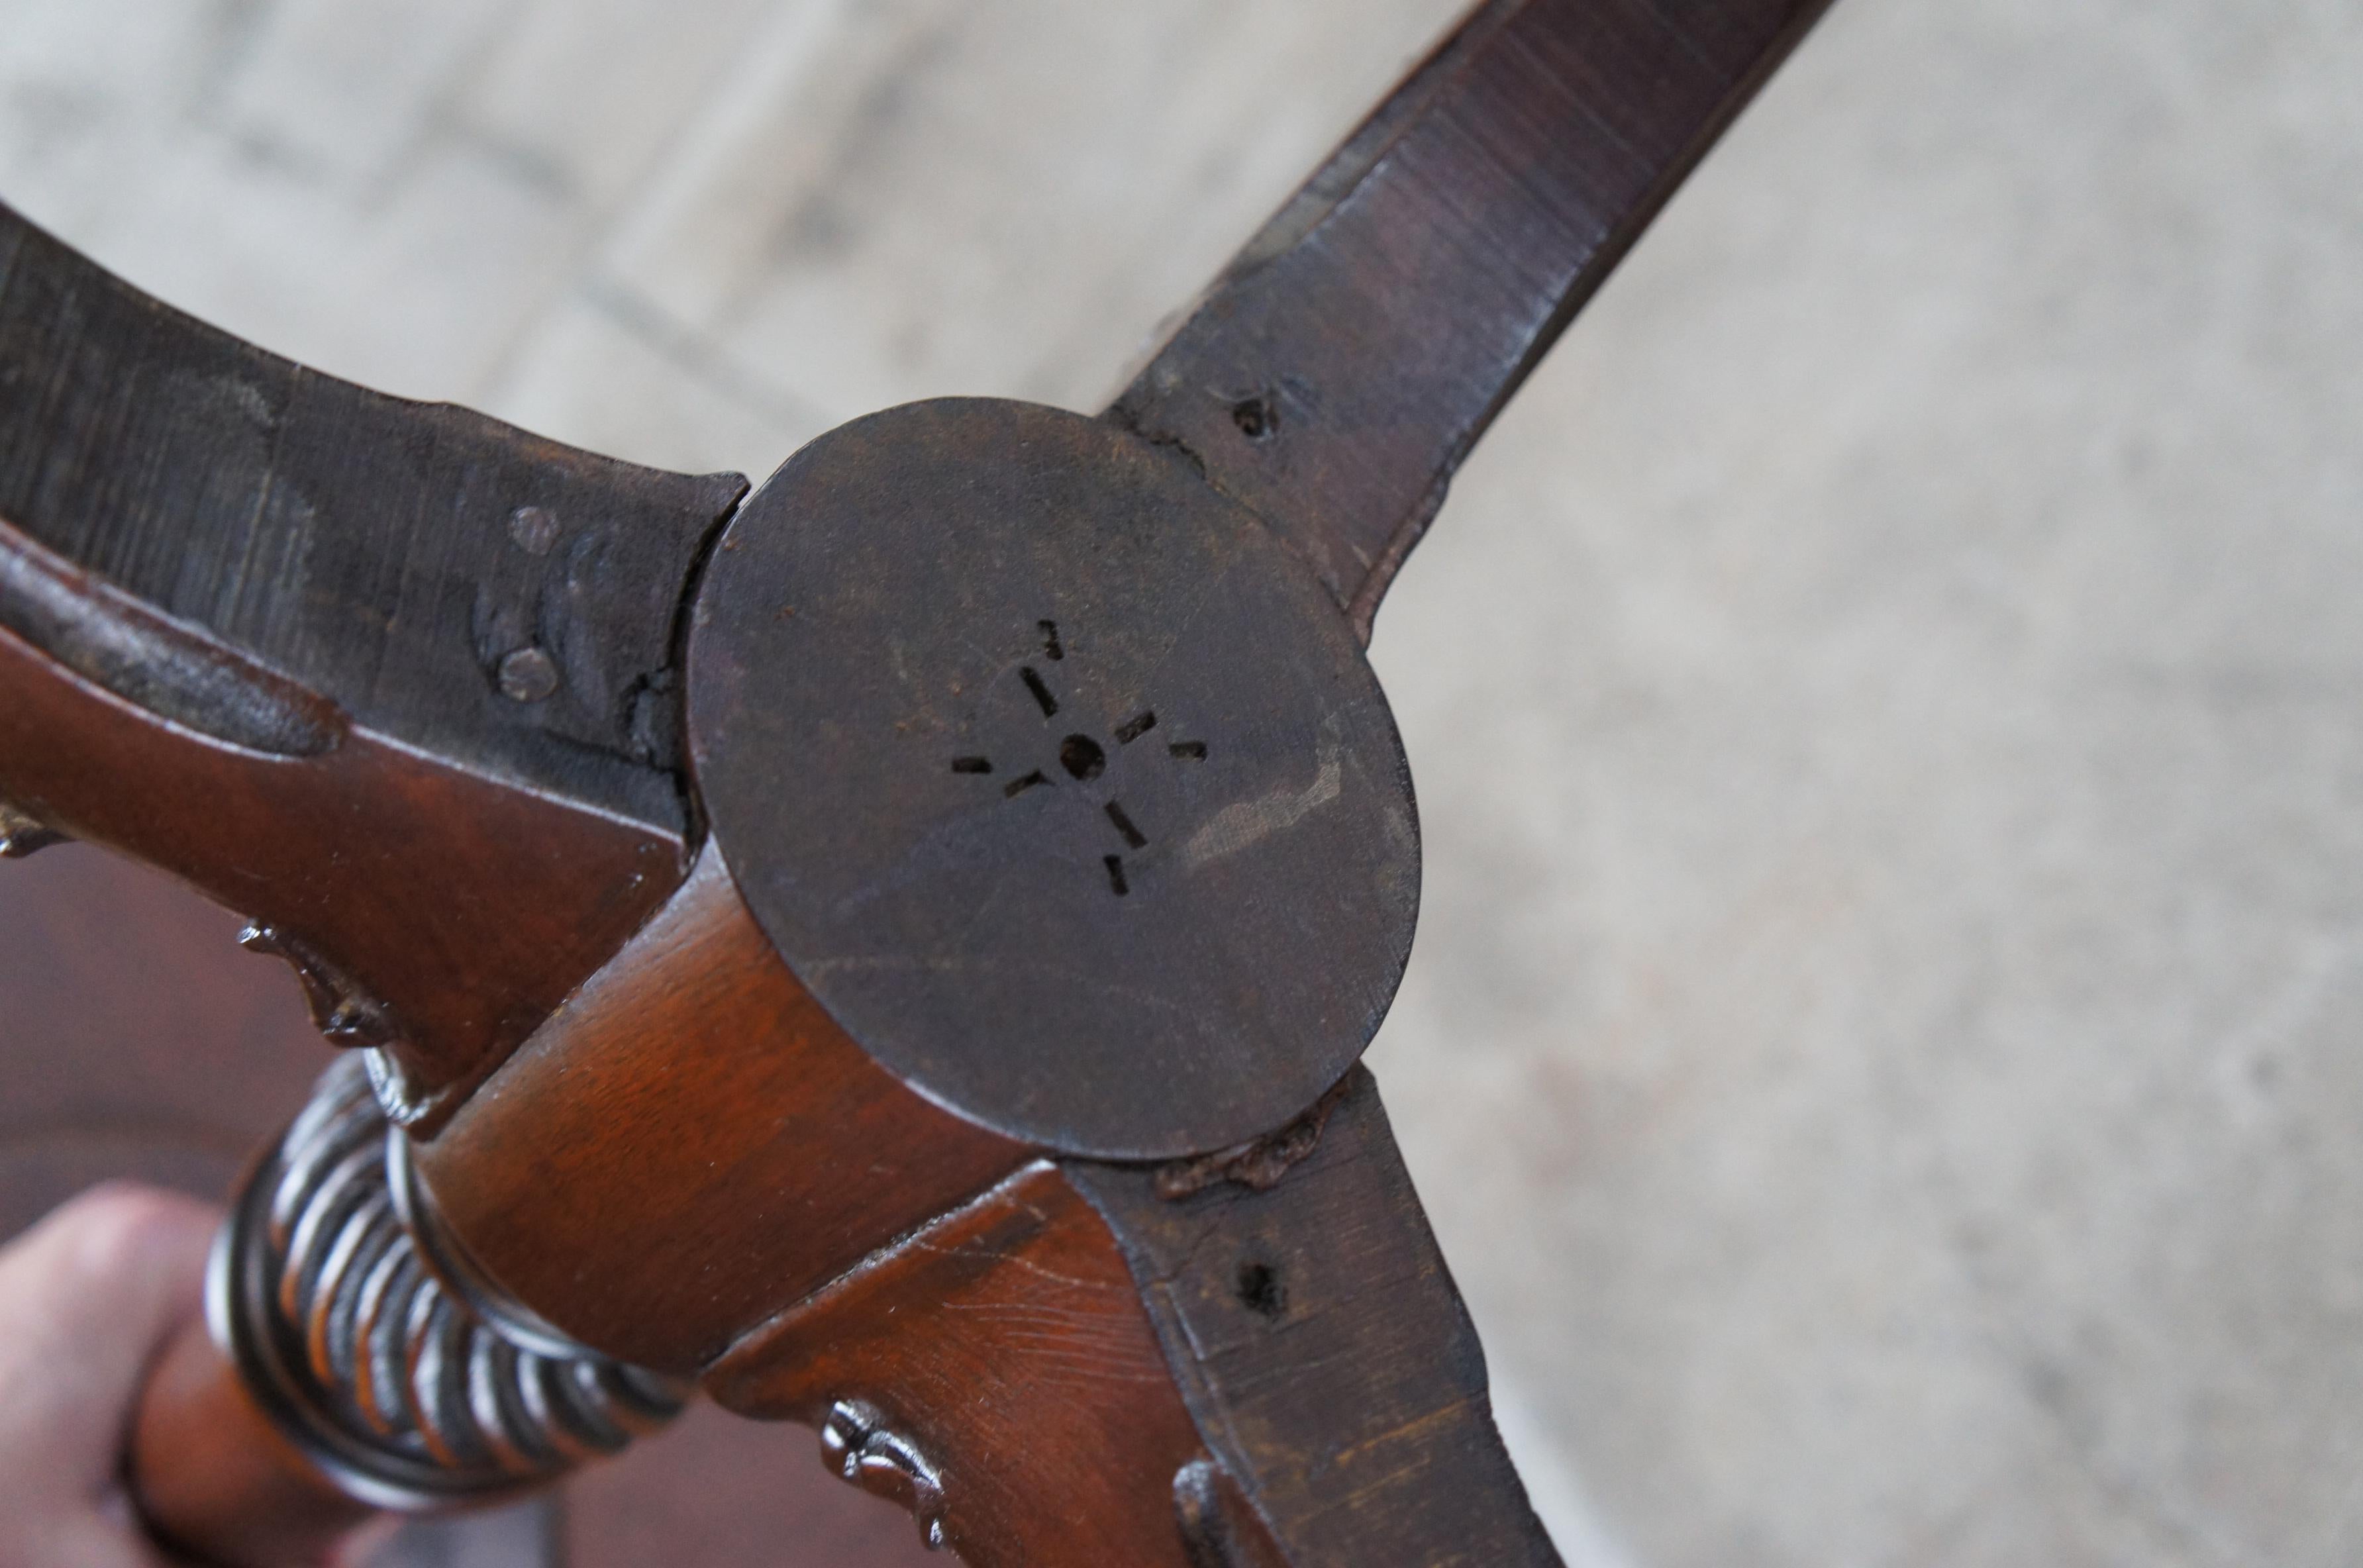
(1057, 781)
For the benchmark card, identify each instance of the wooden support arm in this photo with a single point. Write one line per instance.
(392, 678)
(1252, 1358)
(129, 729)
(1347, 361)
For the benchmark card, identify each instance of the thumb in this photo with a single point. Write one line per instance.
(88, 1298)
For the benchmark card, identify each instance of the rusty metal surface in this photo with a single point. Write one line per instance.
(1054, 776)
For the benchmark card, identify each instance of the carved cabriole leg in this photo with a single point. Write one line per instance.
(373, 1348)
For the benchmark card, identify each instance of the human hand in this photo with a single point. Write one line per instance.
(88, 1298)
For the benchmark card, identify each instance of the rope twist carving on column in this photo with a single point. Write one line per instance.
(363, 1332)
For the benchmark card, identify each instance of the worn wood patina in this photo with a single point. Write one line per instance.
(894, 950)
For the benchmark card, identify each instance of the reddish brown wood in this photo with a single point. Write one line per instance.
(690, 1144)
(660, 1169)
(1004, 1348)
(1076, 1369)
(138, 1044)
(213, 1476)
(452, 911)
(435, 649)
(1338, 373)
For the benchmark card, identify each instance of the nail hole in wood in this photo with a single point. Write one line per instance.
(1256, 418)
(1260, 1291)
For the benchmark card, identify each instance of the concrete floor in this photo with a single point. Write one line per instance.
(1883, 701)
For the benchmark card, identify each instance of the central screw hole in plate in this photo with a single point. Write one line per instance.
(1082, 757)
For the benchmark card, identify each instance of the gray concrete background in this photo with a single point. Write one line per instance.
(1880, 1053)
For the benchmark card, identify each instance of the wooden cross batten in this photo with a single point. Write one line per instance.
(891, 950)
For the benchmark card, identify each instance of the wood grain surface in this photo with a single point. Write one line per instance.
(1338, 373)
(496, 599)
(1316, 1335)
(139, 1042)
(1005, 1345)
(692, 1145)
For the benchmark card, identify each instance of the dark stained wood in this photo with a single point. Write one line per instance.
(1220, 1528)
(1338, 373)
(692, 1145)
(1003, 1353)
(395, 557)
(1316, 1338)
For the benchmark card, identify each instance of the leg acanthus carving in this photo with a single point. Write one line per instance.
(403, 1376)
(342, 1008)
(861, 1447)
